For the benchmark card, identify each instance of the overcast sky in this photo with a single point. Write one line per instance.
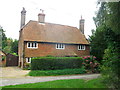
(65, 12)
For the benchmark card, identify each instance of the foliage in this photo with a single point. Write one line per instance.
(14, 46)
(111, 62)
(91, 64)
(69, 83)
(4, 38)
(108, 16)
(3, 58)
(7, 48)
(14, 54)
(98, 43)
(11, 46)
(53, 63)
(27, 66)
(56, 72)
(8, 45)
(49, 56)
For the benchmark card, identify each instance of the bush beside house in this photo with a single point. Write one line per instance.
(48, 66)
(90, 64)
(55, 63)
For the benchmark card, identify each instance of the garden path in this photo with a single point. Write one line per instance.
(15, 75)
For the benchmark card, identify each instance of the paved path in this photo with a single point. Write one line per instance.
(15, 75)
(12, 72)
(28, 79)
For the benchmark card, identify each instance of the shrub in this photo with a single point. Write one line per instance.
(53, 63)
(90, 63)
(110, 68)
(49, 56)
(3, 58)
(27, 66)
(56, 72)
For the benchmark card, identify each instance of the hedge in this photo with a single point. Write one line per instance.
(54, 63)
(57, 72)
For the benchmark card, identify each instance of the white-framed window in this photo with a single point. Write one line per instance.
(32, 45)
(28, 60)
(81, 47)
(60, 46)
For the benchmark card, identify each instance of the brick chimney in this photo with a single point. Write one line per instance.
(41, 16)
(23, 14)
(81, 25)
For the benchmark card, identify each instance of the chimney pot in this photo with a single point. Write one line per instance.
(41, 16)
(81, 25)
(23, 15)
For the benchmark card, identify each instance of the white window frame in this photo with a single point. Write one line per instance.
(33, 45)
(81, 47)
(28, 61)
(60, 46)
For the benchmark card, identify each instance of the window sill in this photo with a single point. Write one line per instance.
(60, 48)
(81, 49)
(32, 48)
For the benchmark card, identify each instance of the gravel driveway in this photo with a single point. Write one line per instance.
(19, 77)
(12, 72)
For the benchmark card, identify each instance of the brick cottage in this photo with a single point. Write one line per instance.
(39, 38)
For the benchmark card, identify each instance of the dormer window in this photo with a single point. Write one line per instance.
(32, 45)
(60, 46)
(81, 47)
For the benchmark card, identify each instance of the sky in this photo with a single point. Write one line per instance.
(65, 12)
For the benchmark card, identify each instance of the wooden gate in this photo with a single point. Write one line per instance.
(11, 60)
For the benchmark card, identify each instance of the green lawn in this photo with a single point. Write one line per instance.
(56, 72)
(69, 83)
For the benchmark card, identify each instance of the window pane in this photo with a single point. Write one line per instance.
(61, 45)
(81, 47)
(35, 44)
(32, 45)
(28, 44)
(56, 45)
(28, 59)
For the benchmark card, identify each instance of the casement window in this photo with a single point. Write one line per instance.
(81, 47)
(32, 45)
(28, 60)
(60, 46)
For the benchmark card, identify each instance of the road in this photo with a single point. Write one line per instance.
(15, 75)
(28, 79)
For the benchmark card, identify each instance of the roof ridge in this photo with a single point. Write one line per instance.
(61, 24)
(55, 24)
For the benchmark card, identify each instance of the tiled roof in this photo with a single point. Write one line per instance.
(55, 33)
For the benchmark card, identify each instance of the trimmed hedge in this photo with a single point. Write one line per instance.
(54, 63)
(57, 72)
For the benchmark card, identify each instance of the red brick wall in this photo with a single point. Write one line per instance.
(45, 49)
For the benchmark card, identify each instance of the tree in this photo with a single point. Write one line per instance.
(14, 46)
(8, 45)
(112, 57)
(3, 38)
(107, 35)
(97, 39)
(98, 43)
(7, 48)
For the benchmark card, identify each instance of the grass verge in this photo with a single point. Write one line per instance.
(56, 72)
(70, 83)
